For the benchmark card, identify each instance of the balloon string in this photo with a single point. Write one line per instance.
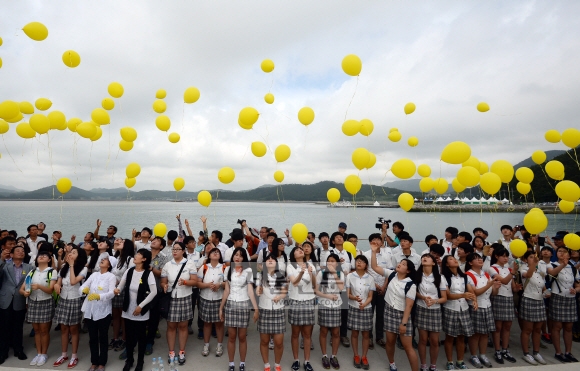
(109, 154)
(91, 162)
(61, 202)
(7, 151)
(50, 156)
(547, 180)
(574, 159)
(351, 99)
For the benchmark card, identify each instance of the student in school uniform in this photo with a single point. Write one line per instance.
(40, 303)
(329, 284)
(237, 301)
(562, 309)
(399, 300)
(457, 323)
(124, 252)
(532, 310)
(360, 287)
(68, 309)
(346, 264)
(449, 242)
(272, 290)
(431, 293)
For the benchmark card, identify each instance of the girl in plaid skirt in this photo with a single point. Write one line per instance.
(124, 252)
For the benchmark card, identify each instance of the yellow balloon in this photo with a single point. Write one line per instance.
(426, 184)
(372, 160)
(159, 106)
(87, 130)
(299, 232)
(226, 175)
(553, 136)
(36, 31)
(393, 129)
(174, 138)
(403, 168)
(490, 183)
(539, 157)
(129, 135)
(366, 127)
(26, 107)
(4, 127)
(9, 109)
(349, 246)
(523, 188)
(360, 158)
(57, 120)
(566, 206)
(73, 123)
(159, 230)
(191, 95)
(248, 116)
(504, 169)
(333, 195)
(518, 248)
(244, 126)
(279, 176)
(554, 169)
(100, 116)
(108, 104)
(483, 167)
(115, 90)
(353, 184)
(457, 187)
(25, 131)
(482, 107)
(130, 182)
(269, 98)
(409, 108)
(571, 137)
(536, 210)
(40, 123)
(64, 185)
(163, 123)
(125, 146)
(413, 141)
(352, 65)
(440, 185)
(456, 153)
(282, 153)
(473, 162)
(97, 135)
(572, 241)
(525, 175)
(71, 59)
(133, 170)
(15, 119)
(178, 184)
(259, 149)
(350, 127)
(0, 62)
(535, 222)
(424, 170)
(267, 65)
(306, 115)
(468, 176)
(406, 201)
(395, 136)
(42, 104)
(160, 94)
(1, 41)
(204, 198)
(568, 190)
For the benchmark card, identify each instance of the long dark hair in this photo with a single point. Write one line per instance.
(312, 256)
(497, 252)
(94, 255)
(79, 264)
(125, 254)
(245, 261)
(146, 254)
(436, 275)
(469, 258)
(411, 270)
(446, 272)
(292, 258)
(477, 238)
(276, 248)
(280, 277)
(325, 272)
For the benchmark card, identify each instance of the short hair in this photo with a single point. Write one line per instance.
(17, 247)
(430, 237)
(506, 226)
(399, 225)
(375, 236)
(547, 247)
(466, 247)
(172, 235)
(437, 249)
(465, 235)
(13, 233)
(92, 235)
(323, 234)
(271, 234)
(363, 258)
(312, 234)
(161, 240)
(146, 254)
(406, 237)
(218, 234)
(148, 230)
(188, 239)
(30, 227)
(114, 228)
(6, 239)
(333, 236)
(452, 230)
(352, 235)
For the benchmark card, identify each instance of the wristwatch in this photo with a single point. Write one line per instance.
(404, 324)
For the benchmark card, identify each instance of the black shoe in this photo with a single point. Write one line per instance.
(308, 366)
(139, 366)
(21, 356)
(560, 357)
(498, 358)
(243, 367)
(232, 368)
(570, 357)
(295, 366)
(128, 365)
(508, 356)
(2, 360)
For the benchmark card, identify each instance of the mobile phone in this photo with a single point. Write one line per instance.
(541, 241)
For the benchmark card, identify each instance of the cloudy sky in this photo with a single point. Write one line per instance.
(445, 56)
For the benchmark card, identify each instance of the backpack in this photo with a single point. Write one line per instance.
(475, 279)
(549, 281)
(408, 285)
(205, 270)
(265, 253)
(48, 275)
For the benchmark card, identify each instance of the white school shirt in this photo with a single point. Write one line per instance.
(483, 300)
(269, 291)
(223, 247)
(281, 262)
(33, 245)
(239, 283)
(104, 285)
(118, 272)
(457, 287)
(170, 271)
(427, 288)
(41, 278)
(398, 256)
(196, 259)
(215, 275)
(360, 286)
(448, 247)
(535, 288)
(133, 289)
(330, 288)
(304, 290)
(72, 292)
(140, 245)
(322, 255)
(398, 248)
(347, 265)
(384, 260)
(504, 290)
(227, 258)
(565, 279)
(395, 296)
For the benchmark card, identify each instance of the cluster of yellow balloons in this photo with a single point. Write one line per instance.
(132, 171)
(363, 158)
(248, 117)
(394, 135)
(353, 127)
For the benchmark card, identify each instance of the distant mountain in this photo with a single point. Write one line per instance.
(106, 190)
(549, 156)
(409, 185)
(10, 189)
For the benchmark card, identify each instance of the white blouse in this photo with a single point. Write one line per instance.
(133, 289)
(496, 269)
(534, 286)
(359, 286)
(104, 285)
(427, 288)
(170, 271)
(270, 291)
(457, 287)
(304, 290)
(395, 296)
(215, 275)
(118, 272)
(483, 300)
(68, 291)
(331, 288)
(565, 281)
(239, 284)
(41, 279)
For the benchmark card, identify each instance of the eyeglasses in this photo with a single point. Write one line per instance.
(176, 249)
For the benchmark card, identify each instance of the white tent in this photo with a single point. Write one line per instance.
(448, 199)
(456, 199)
(493, 200)
(474, 201)
(483, 200)
(439, 199)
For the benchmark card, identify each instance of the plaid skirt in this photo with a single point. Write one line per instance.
(532, 310)
(328, 317)
(40, 311)
(209, 310)
(301, 312)
(118, 300)
(393, 318)
(503, 308)
(457, 323)
(482, 318)
(562, 309)
(237, 313)
(68, 311)
(272, 321)
(180, 309)
(428, 319)
(360, 319)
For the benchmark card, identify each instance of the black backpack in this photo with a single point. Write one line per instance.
(408, 285)
(550, 280)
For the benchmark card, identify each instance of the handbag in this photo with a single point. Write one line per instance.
(165, 300)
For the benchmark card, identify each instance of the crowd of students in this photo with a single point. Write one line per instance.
(464, 286)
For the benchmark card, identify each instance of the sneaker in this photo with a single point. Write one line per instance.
(295, 366)
(242, 367)
(157, 335)
(356, 362)
(301, 343)
(171, 357)
(484, 360)
(205, 351)
(539, 359)
(345, 342)
(392, 367)
(560, 357)
(148, 349)
(219, 350)
(41, 360)
(365, 363)
(120, 345)
(460, 365)
(34, 360)
(449, 366)
(200, 334)
(60, 361)
(112, 344)
(267, 368)
(181, 359)
(507, 356)
(399, 344)
(528, 358)
(271, 344)
(123, 355)
(570, 357)
(334, 363)
(432, 368)
(475, 362)
(546, 338)
(278, 368)
(325, 363)
(424, 368)
(73, 363)
(232, 368)
(308, 366)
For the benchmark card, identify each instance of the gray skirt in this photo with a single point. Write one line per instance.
(562, 309)
(68, 311)
(118, 300)
(393, 319)
(272, 321)
(503, 308)
(532, 310)
(482, 318)
(40, 311)
(237, 313)
(360, 319)
(428, 319)
(328, 317)
(180, 309)
(209, 310)
(457, 323)
(301, 313)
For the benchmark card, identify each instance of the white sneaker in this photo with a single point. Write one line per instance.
(219, 350)
(540, 359)
(271, 345)
(42, 360)
(34, 360)
(530, 359)
(205, 351)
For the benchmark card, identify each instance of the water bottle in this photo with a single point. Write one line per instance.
(161, 366)
(154, 365)
(172, 366)
(27, 283)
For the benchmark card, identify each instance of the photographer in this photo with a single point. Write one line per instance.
(397, 229)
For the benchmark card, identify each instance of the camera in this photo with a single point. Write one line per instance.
(382, 221)
(241, 221)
